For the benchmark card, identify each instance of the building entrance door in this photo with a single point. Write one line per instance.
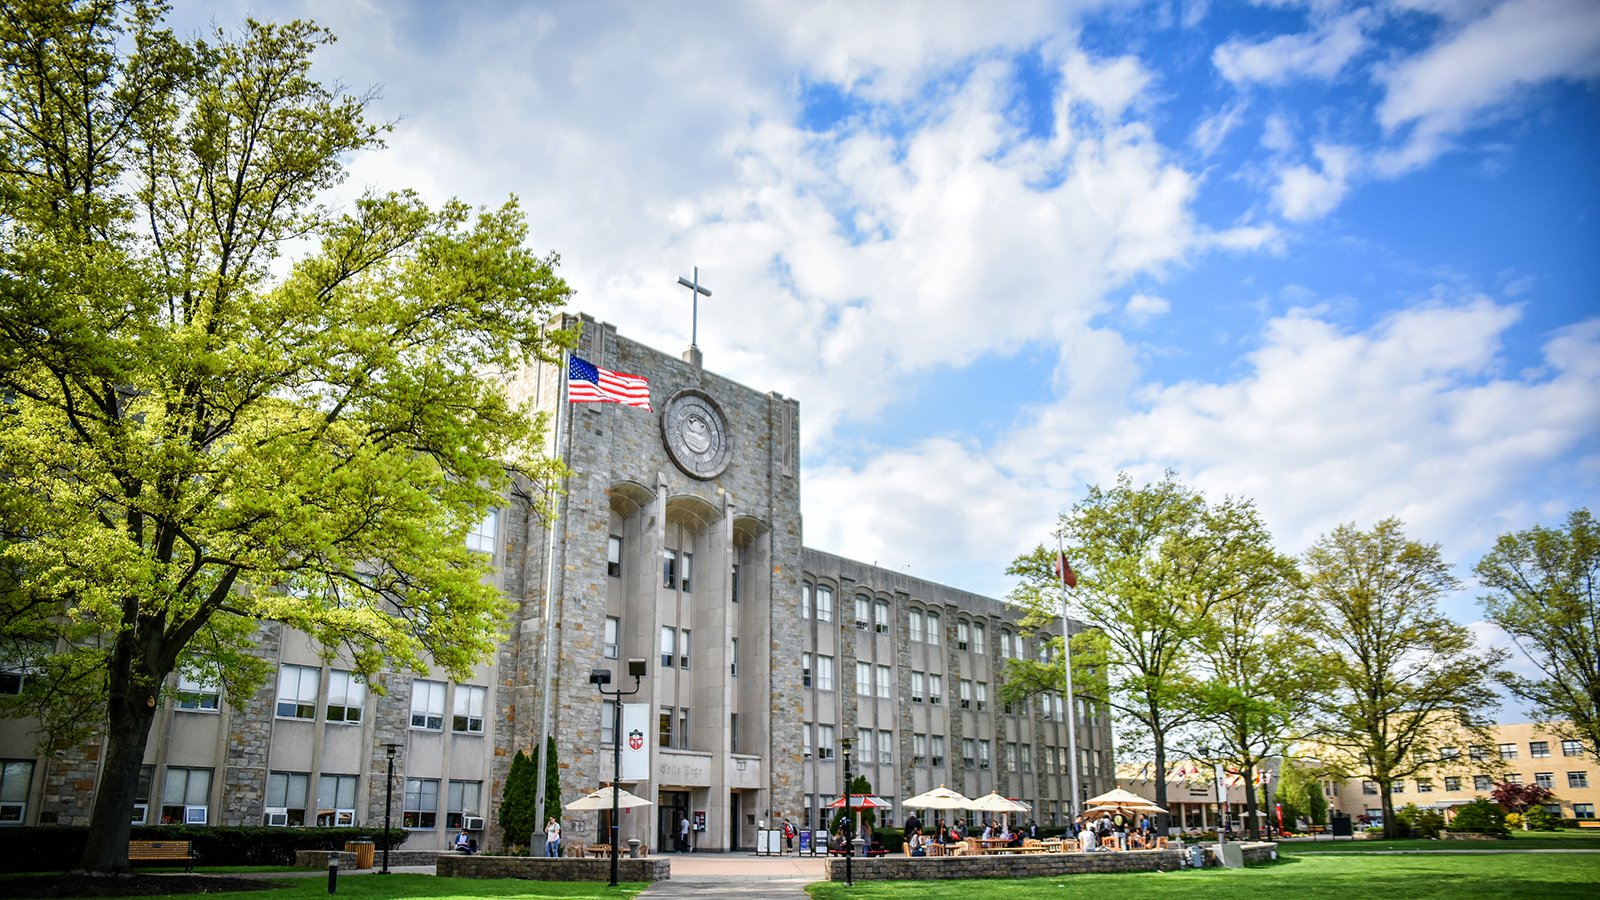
(674, 809)
(734, 819)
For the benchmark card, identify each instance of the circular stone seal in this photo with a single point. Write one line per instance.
(695, 433)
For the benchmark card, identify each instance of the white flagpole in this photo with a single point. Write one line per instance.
(558, 449)
(1072, 711)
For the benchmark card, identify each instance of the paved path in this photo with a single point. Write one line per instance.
(736, 876)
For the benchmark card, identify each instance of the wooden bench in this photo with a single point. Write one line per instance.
(162, 851)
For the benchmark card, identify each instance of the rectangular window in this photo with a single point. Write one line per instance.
(683, 648)
(483, 537)
(1011, 756)
(964, 692)
(979, 640)
(1514, 778)
(664, 732)
(935, 629)
(470, 701)
(824, 603)
(935, 688)
(1508, 751)
(864, 746)
(347, 696)
(1546, 780)
(982, 695)
(336, 801)
(805, 600)
(297, 692)
(914, 627)
(141, 795)
(733, 657)
(427, 705)
(608, 647)
(969, 752)
(805, 669)
(421, 808)
(863, 611)
(687, 570)
(885, 682)
(1571, 748)
(1481, 783)
(1583, 810)
(824, 742)
(885, 748)
(1027, 757)
(1399, 786)
(462, 801)
(1452, 783)
(864, 679)
(824, 673)
(733, 732)
(1424, 785)
(16, 778)
(608, 725)
(916, 687)
(919, 749)
(682, 733)
(1577, 779)
(614, 556)
(963, 634)
(185, 796)
(734, 584)
(1477, 753)
(1449, 753)
(805, 738)
(669, 646)
(1369, 788)
(196, 695)
(286, 798)
(936, 749)
(669, 569)
(983, 754)
(1538, 749)
(880, 616)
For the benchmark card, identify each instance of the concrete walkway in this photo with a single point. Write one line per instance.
(738, 876)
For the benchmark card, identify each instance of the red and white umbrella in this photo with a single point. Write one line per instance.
(859, 802)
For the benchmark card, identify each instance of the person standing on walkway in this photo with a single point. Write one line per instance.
(788, 836)
(683, 834)
(552, 837)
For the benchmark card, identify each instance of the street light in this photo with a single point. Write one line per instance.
(600, 678)
(388, 806)
(849, 841)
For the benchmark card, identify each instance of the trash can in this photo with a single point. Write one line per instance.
(633, 848)
(1197, 856)
(363, 851)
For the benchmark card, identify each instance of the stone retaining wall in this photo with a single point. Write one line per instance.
(539, 868)
(1470, 836)
(1032, 865)
(318, 859)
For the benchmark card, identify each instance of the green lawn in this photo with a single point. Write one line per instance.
(1303, 878)
(410, 887)
(1520, 840)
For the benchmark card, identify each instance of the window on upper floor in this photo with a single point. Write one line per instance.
(610, 640)
(885, 748)
(470, 702)
(1571, 748)
(614, 556)
(863, 611)
(963, 634)
(421, 806)
(1538, 749)
(935, 688)
(917, 689)
(979, 638)
(669, 646)
(824, 673)
(427, 705)
(733, 584)
(1508, 751)
(825, 744)
(1577, 779)
(936, 749)
(686, 567)
(914, 626)
(880, 616)
(297, 691)
(347, 696)
(669, 569)
(805, 599)
(286, 798)
(864, 679)
(197, 695)
(885, 682)
(186, 796)
(484, 536)
(935, 629)
(1482, 783)
(824, 603)
(1452, 783)
(1546, 780)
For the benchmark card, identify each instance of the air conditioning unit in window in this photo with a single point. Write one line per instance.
(141, 812)
(277, 818)
(861, 624)
(472, 823)
(194, 815)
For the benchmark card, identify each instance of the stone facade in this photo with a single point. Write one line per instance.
(661, 551)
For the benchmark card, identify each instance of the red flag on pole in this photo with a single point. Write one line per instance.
(1064, 571)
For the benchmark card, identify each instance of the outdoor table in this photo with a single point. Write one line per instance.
(599, 850)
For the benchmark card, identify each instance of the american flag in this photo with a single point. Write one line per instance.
(588, 383)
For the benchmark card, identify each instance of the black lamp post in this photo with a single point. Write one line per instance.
(388, 806)
(600, 678)
(848, 825)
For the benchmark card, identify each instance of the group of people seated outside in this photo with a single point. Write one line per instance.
(1115, 830)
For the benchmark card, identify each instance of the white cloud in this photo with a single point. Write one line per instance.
(1304, 193)
(1320, 54)
(1142, 308)
(1476, 71)
(1212, 130)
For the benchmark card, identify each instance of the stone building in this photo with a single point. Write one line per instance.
(679, 542)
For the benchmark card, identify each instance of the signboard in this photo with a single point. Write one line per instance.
(699, 820)
(635, 741)
(805, 842)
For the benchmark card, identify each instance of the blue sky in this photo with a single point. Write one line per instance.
(1340, 258)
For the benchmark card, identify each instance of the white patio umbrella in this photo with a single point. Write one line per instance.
(1122, 799)
(994, 803)
(601, 800)
(941, 798)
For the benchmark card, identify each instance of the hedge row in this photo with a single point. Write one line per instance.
(48, 848)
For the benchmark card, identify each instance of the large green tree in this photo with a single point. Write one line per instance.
(225, 404)
(1543, 586)
(1152, 562)
(1407, 681)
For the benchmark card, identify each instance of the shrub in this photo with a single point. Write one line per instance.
(1481, 816)
(1514, 820)
(1540, 819)
(1418, 823)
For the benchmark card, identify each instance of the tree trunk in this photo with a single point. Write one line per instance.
(1252, 824)
(1387, 799)
(1163, 820)
(131, 712)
